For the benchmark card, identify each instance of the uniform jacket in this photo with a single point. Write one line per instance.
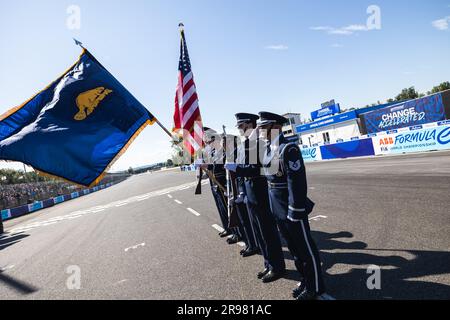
(286, 175)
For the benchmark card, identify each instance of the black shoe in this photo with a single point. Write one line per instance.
(242, 251)
(272, 276)
(300, 288)
(233, 240)
(263, 273)
(224, 234)
(306, 295)
(249, 253)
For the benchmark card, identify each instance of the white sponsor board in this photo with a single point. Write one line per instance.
(413, 140)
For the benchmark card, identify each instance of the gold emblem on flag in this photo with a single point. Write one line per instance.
(88, 101)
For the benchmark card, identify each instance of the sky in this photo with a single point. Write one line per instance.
(247, 55)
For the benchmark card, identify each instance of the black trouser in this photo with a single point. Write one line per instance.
(264, 224)
(303, 248)
(247, 230)
(221, 206)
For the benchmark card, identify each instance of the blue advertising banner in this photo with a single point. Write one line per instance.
(408, 114)
(357, 148)
(311, 154)
(437, 138)
(6, 214)
(326, 122)
(326, 111)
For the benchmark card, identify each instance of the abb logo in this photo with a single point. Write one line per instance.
(387, 141)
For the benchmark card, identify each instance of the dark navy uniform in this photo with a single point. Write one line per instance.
(262, 220)
(217, 158)
(286, 175)
(247, 231)
(217, 169)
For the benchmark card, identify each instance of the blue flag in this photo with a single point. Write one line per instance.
(76, 127)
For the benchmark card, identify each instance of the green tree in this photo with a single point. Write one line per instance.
(407, 94)
(130, 170)
(442, 87)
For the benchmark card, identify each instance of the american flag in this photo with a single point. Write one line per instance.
(187, 118)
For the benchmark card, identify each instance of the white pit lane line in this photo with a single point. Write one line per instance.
(195, 213)
(169, 196)
(178, 201)
(135, 247)
(218, 228)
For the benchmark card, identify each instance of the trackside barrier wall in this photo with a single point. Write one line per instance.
(39, 205)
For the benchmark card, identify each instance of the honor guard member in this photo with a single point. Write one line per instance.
(247, 231)
(215, 165)
(229, 145)
(212, 141)
(286, 175)
(263, 222)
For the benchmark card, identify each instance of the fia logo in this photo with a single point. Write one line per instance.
(89, 100)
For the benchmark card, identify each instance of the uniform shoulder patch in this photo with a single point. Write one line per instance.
(292, 157)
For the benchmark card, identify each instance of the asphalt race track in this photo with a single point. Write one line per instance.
(151, 238)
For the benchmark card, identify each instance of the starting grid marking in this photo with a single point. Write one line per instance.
(99, 209)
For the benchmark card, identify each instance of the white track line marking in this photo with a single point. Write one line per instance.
(121, 281)
(121, 204)
(178, 201)
(170, 196)
(218, 228)
(195, 213)
(317, 218)
(7, 268)
(135, 247)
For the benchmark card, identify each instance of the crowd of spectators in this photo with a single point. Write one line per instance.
(15, 195)
(17, 188)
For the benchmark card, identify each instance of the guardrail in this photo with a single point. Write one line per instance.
(8, 214)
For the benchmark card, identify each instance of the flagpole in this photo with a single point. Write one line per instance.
(165, 129)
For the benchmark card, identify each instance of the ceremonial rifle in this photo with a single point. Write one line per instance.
(232, 190)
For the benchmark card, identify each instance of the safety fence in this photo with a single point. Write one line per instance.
(39, 205)
(421, 138)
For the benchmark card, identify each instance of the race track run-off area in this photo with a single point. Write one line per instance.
(150, 237)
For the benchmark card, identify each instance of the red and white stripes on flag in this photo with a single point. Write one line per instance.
(187, 117)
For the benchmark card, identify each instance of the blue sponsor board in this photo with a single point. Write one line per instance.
(311, 154)
(326, 111)
(35, 206)
(437, 138)
(407, 114)
(6, 214)
(326, 122)
(74, 195)
(58, 199)
(357, 148)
